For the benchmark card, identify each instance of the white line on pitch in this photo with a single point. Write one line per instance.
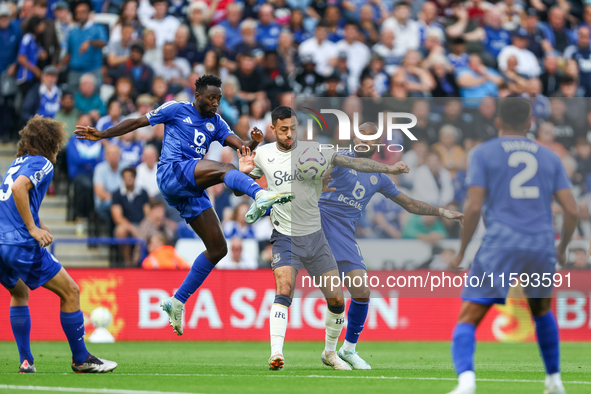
(83, 390)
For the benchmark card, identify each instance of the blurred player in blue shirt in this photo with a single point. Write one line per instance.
(344, 198)
(183, 175)
(513, 180)
(25, 264)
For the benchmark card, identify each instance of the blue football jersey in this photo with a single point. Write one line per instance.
(187, 134)
(40, 171)
(520, 177)
(354, 190)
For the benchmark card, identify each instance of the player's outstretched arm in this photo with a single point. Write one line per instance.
(20, 193)
(422, 208)
(570, 218)
(235, 142)
(368, 165)
(472, 208)
(124, 127)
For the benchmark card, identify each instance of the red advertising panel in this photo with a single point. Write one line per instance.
(235, 305)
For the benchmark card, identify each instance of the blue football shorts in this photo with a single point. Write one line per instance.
(31, 263)
(343, 245)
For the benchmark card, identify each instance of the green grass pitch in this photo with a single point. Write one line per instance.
(240, 367)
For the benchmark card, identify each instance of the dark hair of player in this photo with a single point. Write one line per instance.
(131, 170)
(281, 113)
(41, 136)
(514, 113)
(207, 80)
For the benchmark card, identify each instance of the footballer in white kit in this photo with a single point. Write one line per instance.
(298, 239)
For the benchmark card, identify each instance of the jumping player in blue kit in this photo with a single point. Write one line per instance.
(514, 179)
(183, 175)
(25, 264)
(346, 194)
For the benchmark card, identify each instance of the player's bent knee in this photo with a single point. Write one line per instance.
(217, 253)
(338, 301)
(72, 292)
(539, 307)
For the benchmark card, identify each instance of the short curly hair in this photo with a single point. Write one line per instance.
(205, 81)
(41, 136)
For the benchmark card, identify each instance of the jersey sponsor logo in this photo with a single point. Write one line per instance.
(199, 138)
(187, 120)
(209, 126)
(373, 179)
(284, 176)
(359, 191)
(351, 202)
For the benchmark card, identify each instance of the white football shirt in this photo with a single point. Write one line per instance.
(301, 216)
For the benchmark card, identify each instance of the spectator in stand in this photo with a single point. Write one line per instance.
(457, 55)
(358, 54)
(425, 228)
(212, 65)
(186, 49)
(232, 24)
(249, 43)
(557, 35)
(217, 42)
(106, 180)
(146, 172)
(152, 53)
(432, 183)
(583, 160)
(163, 256)
(296, 26)
(495, 37)
(163, 25)
(306, 81)
(267, 32)
(288, 55)
(387, 49)
(82, 158)
(128, 209)
(484, 121)
(160, 91)
(236, 226)
(534, 32)
(29, 55)
(452, 155)
(454, 115)
(277, 81)
(118, 51)
(251, 77)
(406, 31)
(68, 114)
(368, 28)
(582, 55)
(552, 74)
(10, 35)
(416, 155)
(428, 22)
(26, 11)
(323, 52)
(546, 137)
(197, 16)
(63, 25)
(85, 45)
(127, 16)
(235, 260)
(43, 99)
(527, 63)
(565, 129)
(124, 95)
(376, 71)
(419, 81)
(174, 69)
(48, 41)
(140, 74)
(112, 117)
(86, 100)
(144, 103)
(178, 9)
(425, 130)
(511, 12)
(231, 106)
(445, 80)
(156, 222)
(460, 25)
(334, 23)
(477, 81)
(131, 150)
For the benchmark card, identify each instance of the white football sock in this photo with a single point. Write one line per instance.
(553, 380)
(334, 325)
(348, 346)
(278, 326)
(467, 379)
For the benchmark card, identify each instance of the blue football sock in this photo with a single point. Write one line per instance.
(242, 183)
(20, 320)
(73, 326)
(355, 320)
(547, 333)
(463, 346)
(199, 271)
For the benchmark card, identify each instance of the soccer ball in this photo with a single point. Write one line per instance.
(312, 164)
(101, 317)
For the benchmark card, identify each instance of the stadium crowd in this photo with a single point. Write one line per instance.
(98, 62)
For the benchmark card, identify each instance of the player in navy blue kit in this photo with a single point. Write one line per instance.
(346, 194)
(25, 264)
(183, 175)
(515, 180)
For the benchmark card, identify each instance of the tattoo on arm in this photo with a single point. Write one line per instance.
(415, 206)
(359, 164)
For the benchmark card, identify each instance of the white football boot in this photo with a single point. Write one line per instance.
(334, 361)
(26, 367)
(276, 362)
(463, 390)
(352, 358)
(94, 364)
(174, 309)
(264, 200)
(555, 389)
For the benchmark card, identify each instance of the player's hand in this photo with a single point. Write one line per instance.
(399, 168)
(325, 181)
(454, 215)
(42, 236)
(561, 257)
(246, 160)
(454, 265)
(44, 227)
(256, 134)
(87, 133)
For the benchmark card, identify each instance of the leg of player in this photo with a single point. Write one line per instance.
(334, 319)
(209, 173)
(284, 280)
(20, 321)
(549, 342)
(464, 344)
(73, 325)
(356, 316)
(208, 228)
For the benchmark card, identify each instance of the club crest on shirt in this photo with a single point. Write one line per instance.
(39, 175)
(373, 179)
(209, 126)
